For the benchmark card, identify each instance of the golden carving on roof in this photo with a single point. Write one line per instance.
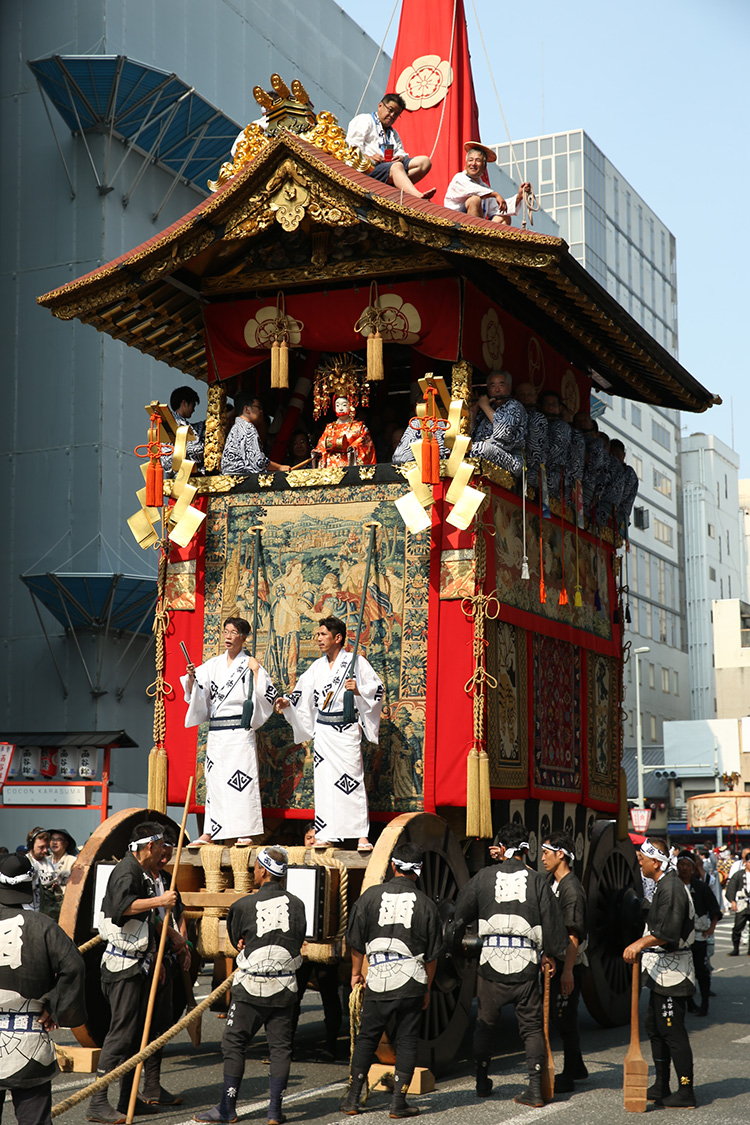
(293, 112)
(332, 270)
(215, 427)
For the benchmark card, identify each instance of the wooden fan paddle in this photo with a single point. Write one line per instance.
(548, 1066)
(635, 1073)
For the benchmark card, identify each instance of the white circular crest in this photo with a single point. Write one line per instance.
(400, 322)
(425, 83)
(260, 332)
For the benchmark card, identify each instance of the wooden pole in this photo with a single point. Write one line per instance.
(159, 958)
(635, 1076)
(548, 1067)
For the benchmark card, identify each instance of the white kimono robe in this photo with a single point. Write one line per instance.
(316, 712)
(233, 807)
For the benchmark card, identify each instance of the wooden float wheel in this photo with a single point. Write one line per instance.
(614, 893)
(109, 842)
(443, 874)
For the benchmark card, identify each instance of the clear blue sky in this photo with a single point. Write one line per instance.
(663, 88)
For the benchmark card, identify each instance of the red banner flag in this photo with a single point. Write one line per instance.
(431, 70)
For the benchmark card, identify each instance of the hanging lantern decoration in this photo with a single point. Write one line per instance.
(154, 474)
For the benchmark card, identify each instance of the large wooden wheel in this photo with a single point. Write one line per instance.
(614, 892)
(443, 874)
(109, 842)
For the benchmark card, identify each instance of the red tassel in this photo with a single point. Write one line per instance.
(430, 460)
(154, 485)
(542, 590)
(563, 599)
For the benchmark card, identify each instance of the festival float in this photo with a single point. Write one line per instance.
(494, 621)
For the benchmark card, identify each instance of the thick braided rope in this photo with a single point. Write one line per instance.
(146, 1053)
(160, 688)
(97, 939)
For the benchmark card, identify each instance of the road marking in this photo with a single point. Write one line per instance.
(746, 1039)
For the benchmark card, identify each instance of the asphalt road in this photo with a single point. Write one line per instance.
(720, 1044)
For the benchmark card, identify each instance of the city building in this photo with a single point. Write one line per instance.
(713, 555)
(614, 233)
(115, 117)
(731, 645)
(744, 496)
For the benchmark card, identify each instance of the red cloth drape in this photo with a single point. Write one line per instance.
(431, 37)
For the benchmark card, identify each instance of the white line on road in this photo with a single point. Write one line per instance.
(746, 1039)
(250, 1107)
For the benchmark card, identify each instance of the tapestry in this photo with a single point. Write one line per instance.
(603, 729)
(180, 585)
(457, 579)
(312, 564)
(556, 715)
(584, 562)
(507, 706)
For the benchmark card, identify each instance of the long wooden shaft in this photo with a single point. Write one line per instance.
(159, 959)
(635, 1035)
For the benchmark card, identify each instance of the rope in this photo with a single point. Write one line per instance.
(494, 87)
(445, 99)
(160, 688)
(97, 939)
(146, 1053)
(377, 58)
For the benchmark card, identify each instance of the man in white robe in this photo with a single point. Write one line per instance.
(315, 710)
(218, 692)
(469, 193)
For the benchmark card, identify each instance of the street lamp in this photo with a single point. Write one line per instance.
(638, 725)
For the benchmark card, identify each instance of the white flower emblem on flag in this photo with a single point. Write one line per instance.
(493, 339)
(425, 83)
(400, 322)
(260, 332)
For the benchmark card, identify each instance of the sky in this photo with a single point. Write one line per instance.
(663, 88)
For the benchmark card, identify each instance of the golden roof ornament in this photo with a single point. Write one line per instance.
(290, 111)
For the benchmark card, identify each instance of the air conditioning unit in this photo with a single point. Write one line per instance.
(641, 518)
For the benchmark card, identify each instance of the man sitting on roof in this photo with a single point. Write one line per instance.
(373, 134)
(468, 192)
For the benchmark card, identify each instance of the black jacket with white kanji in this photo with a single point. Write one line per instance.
(519, 919)
(668, 968)
(738, 889)
(272, 925)
(398, 928)
(39, 968)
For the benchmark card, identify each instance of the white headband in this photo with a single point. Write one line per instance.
(565, 852)
(14, 880)
(648, 849)
(271, 864)
(146, 840)
(510, 852)
(406, 867)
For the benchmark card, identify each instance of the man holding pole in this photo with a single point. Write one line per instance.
(667, 970)
(317, 709)
(128, 926)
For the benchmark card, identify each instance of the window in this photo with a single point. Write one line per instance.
(637, 463)
(630, 723)
(665, 680)
(651, 676)
(729, 580)
(663, 626)
(721, 587)
(711, 531)
(676, 682)
(635, 415)
(652, 727)
(662, 532)
(719, 550)
(712, 574)
(726, 488)
(662, 483)
(661, 581)
(729, 549)
(660, 434)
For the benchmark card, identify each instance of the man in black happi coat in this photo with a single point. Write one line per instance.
(667, 970)
(41, 988)
(268, 928)
(519, 923)
(128, 923)
(397, 927)
(558, 857)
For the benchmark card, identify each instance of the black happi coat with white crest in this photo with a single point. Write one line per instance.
(271, 923)
(398, 928)
(130, 939)
(39, 968)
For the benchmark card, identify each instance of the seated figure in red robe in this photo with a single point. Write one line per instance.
(344, 434)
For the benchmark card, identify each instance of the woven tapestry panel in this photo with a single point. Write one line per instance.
(507, 706)
(603, 729)
(556, 715)
(314, 548)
